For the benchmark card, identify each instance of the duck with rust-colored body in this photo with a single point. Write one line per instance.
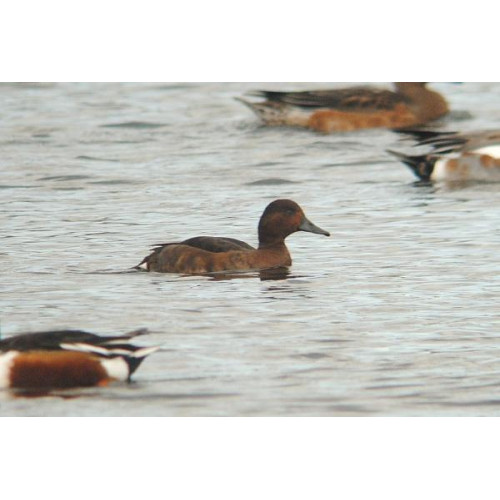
(68, 358)
(208, 254)
(353, 108)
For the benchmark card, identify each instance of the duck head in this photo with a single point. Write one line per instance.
(282, 218)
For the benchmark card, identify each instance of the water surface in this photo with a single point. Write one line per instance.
(395, 314)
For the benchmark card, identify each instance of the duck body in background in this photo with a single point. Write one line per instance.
(345, 109)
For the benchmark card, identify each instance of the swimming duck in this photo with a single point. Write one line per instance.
(455, 156)
(464, 167)
(353, 108)
(68, 358)
(208, 254)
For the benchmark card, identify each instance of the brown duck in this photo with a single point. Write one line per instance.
(345, 109)
(209, 254)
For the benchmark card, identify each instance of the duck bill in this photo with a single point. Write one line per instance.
(308, 226)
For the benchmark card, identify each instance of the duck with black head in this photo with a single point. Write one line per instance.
(209, 254)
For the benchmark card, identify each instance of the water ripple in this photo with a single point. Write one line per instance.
(395, 314)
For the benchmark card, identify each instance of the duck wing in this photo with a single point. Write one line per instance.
(348, 99)
(213, 244)
(217, 244)
(52, 340)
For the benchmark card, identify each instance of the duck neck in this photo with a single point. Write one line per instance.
(271, 242)
(273, 254)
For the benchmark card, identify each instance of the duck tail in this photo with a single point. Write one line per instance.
(421, 165)
(270, 112)
(144, 264)
(134, 359)
(131, 354)
(259, 108)
(137, 332)
(270, 95)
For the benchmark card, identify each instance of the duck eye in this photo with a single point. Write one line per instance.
(290, 211)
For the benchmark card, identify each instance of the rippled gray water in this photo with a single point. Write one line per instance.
(396, 314)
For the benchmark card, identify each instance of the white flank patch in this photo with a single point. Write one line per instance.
(6, 360)
(116, 368)
(144, 266)
(468, 167)
(489, 150)
(480, 172)
(439, 173)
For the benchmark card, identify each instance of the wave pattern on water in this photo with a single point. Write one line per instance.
(396, 314)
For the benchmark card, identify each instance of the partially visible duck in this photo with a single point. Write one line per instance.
(353, 108)
(467, 166)
(208, 254)
(455, 156)
(68, 358)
